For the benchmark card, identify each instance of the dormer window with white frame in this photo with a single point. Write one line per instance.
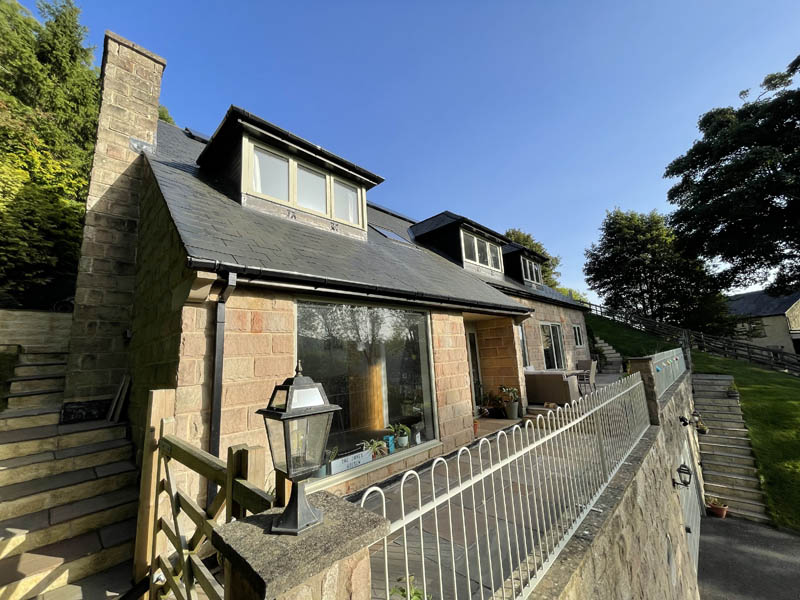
(280, 177)
(531, 271)
(481, 252)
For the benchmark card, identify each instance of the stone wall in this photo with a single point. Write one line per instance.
(34, 327)
(637, 547)
(551, 313)
(500, 355)
(154, 347)
(131, 84)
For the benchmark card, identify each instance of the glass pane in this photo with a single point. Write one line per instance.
(483, 253)
(495, 255)
(311, 190)
(525, 274)
(475, 366)
(271, 175)
(306, 397)
(345, 202)
(547, 344)
(374, 363)
(558, 346)
(523, 342)
(537, 273)
(277, 446)
(469, 247)
(278, 401)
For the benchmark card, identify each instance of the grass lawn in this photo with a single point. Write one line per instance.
(626, 340)
(771, 406)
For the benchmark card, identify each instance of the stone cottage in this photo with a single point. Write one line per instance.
(211, 266)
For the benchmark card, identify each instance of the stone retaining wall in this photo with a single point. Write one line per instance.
(637, 547)
(34, 327)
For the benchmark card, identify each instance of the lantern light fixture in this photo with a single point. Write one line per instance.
(684, 477)
(298, 422)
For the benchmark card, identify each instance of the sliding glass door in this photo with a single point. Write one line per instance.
(553, 344)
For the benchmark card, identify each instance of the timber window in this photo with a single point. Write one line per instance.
(523, 344)
(578, 333)
(374, 363)
(553, 345)
(531, 271)
(282, 178)
(482, 252)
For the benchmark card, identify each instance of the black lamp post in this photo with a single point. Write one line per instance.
(298, 421)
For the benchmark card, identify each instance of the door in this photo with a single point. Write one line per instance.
(474, 365)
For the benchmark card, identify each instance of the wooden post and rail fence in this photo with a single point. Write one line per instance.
(173, 538)
(688, 339)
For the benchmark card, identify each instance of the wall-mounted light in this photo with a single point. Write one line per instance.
(695, 417)
(684, 421)
(684, 476)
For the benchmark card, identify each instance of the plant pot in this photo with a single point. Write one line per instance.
(389, 439)
(401, 441)
(512, 410)
(475, 426)
(718, 511)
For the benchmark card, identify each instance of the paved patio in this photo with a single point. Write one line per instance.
(741, 560)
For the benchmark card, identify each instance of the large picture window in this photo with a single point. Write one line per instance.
(374, 363)
(553, 344)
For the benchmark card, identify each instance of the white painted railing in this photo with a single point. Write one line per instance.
(488, 521)
(668, 366)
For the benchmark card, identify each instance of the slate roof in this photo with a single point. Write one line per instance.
(542, 293)
(217, 231)
(760, 304)
(445, 218)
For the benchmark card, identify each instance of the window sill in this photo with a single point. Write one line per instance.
(316, 485)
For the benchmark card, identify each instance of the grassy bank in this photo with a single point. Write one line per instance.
(626, 340)
(771, 406)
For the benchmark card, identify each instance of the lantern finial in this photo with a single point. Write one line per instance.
(298, 370)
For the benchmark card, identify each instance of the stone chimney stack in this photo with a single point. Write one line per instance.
(98, 348)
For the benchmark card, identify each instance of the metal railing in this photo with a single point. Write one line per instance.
(713, 344)
(668, 366)
(489, 520)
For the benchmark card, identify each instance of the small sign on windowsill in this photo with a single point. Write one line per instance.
(351, 461)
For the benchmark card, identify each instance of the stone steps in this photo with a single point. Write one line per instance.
(613, 359)
(29, 383)
(34, 440)
(28, 417)
(29, 532)
(711, 448)
(724, 421)
(741, 504)
(35, 398)
(734, 479)
(722, 401)
(734, 491)
(726, 457)
(735, 432)
(749, 515)
(31, 573)
(720, 437)
(727, 468)
(111, 583)
(45, 464)
(40, 368)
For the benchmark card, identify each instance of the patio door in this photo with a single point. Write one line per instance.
(474, 364)
(553, 346)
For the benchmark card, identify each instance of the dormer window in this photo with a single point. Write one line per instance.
(481, 252)
(531, 271)
(284, 179)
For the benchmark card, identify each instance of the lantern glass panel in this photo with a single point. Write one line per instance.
(279, 397)
(306, 398)
(277, 444)
(307, 437)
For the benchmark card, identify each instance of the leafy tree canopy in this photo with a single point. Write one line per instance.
(573, 293)
(738, 194)
(550, 273)
(163, 114)
(638, 266)
(49, 102)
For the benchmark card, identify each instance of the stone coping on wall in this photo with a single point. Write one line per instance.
(580, 547)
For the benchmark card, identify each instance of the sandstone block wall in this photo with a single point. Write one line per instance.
(104, 295)
(500, 355)
(34, 327)
(550, 313)
(637, 547)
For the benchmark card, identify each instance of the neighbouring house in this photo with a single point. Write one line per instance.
(212, 265)
(769, 321)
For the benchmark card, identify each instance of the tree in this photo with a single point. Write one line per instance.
(572, 293)
(638, 266)
(163, 115)
(48, 119)
(550, 272)
(738, 194)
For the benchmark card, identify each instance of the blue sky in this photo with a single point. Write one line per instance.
(537, 115)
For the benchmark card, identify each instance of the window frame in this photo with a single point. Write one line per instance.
(523, 343)
(577, 332)
(527, 266)
(489, 246)
(561, 345)
(249, 147)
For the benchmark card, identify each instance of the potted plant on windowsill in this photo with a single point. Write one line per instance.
(377, 447)
(401, 434)
(716, 507)
(511, 404)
